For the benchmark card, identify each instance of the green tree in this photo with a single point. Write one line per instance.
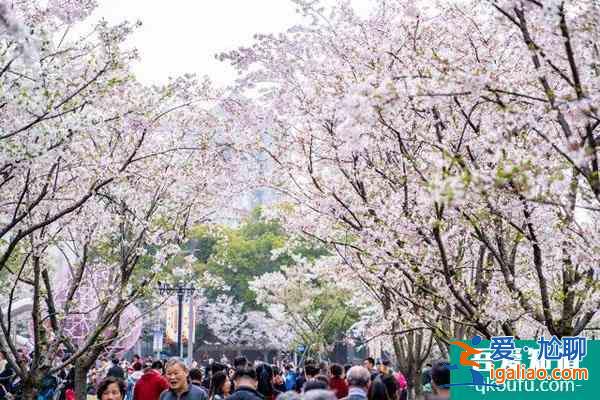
(306, 299)
(239, 255)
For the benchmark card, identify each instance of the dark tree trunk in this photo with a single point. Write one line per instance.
(28, 391)
(81, 372)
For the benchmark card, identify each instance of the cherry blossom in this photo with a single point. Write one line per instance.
(447, 155)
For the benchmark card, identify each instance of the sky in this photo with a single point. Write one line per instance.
(182, 36)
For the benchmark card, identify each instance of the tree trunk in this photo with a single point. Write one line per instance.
(443, 348)
(412, 350)
(81, 372)
(416, 390)
(28, 390)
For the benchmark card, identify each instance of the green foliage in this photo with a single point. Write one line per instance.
(336, 318)
(312, 304)
(13, 266)
(238, 255)
(202, 244)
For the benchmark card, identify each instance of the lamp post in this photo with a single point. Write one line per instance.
(182, 290)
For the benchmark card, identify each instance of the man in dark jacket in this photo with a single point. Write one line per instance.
(179, 386)
(116, 371)
(238, 362)
(246, 381)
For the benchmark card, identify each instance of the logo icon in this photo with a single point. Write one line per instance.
(466, 353)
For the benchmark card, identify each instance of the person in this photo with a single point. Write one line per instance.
(216, 367)
(426, 380)
(206, 377)
(402, 385)
(346, 369)
(315, 384)
(369, 364)
(290, 377)
(337, 384)
(358, 379)
(49, 384)
(240, 362)
(196, 377)
(116, 370)
(92, 381)
(133, 378)
(440, 378)
(278, 381)
(210, 371)
(384, 367)
(220, 386)
(67, 381)
(322, 378)
(300, 381)
(388, 379)
(289, 395)
(68, 392)
(311, 371)
(102, 367)
(6, 375)
(426, 375)
(378, 391)
(264, 374)
(323, 370)
(391, 384)
(137, 360)
(111, 388)
(151, 384)
(179, 387)
(319, 394)
(246, 382)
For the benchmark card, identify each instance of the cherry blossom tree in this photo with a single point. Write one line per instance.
(304, 300)
(447, 152)
(232, 325)
(94, 164)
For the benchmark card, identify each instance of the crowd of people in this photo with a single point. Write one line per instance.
(174, 379)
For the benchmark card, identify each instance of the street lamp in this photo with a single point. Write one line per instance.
(181, 289)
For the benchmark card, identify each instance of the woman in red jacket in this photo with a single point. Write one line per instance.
(337, 383)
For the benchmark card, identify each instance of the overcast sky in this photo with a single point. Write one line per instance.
(180, 36)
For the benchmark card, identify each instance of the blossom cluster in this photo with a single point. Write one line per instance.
(448, 156)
